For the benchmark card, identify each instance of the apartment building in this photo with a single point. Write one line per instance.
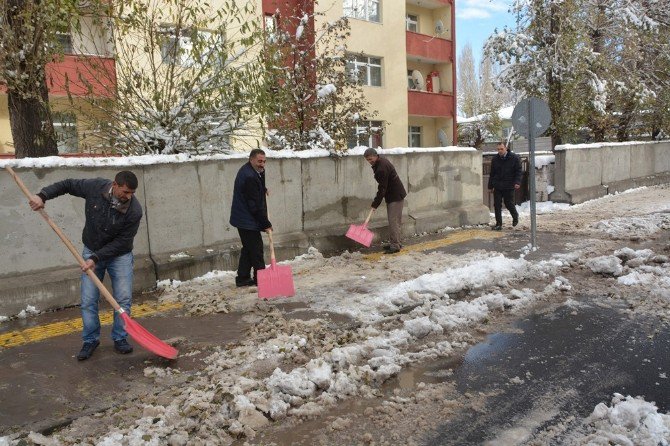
(403, 51)
(405, 48)
(87, 69)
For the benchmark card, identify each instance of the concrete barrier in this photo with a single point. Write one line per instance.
(185, 231)
(587, 171)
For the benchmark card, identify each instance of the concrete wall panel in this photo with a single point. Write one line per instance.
(615, 164)
(28, 242)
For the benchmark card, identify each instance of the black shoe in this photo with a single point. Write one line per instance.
(87, 350)
(392, 250)
(245, 282)
(496, 228)
(386, 247)
(122, 346)
(515, 221)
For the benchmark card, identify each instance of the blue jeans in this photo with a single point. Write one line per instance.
(120, 270)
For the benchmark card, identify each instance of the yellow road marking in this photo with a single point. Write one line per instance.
(34, 334)
(451, 239)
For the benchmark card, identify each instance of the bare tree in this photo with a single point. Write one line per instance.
(311, 101)
(187, 78)
(28, 31)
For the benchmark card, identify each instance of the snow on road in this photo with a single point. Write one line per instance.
(395, 312)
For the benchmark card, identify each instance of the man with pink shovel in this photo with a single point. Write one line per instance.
(392, 190)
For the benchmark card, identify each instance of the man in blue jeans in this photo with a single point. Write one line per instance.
(113, 216)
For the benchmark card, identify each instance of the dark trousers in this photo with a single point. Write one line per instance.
(498, 197)
(251, 255)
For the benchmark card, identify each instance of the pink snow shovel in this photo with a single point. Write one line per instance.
(361, 233)
(275, 281)
(134, 329)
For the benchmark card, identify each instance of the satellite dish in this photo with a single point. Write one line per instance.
(439, 27)
(442, 137)
(417, 77)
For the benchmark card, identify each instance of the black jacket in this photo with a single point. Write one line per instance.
(390, 187)
(505, 172)
(108, 231)
(249, 208)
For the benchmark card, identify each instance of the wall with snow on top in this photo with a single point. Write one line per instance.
(587, 171)
(313, 200)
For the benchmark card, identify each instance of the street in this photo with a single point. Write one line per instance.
(467, 336)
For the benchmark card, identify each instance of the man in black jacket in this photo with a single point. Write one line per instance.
(113, 217)
(389, 188)
(249, 214)
(504, 179)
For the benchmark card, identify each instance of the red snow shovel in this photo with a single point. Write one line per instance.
(134, 329)
(361, 233)
(275, 281)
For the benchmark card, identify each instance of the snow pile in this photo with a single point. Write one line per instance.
(634, 227)
(29, 311)
(542, 207)
(606, 265)
(645, 268)
(628, 421)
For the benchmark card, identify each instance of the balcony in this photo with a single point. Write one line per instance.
(82, 76)
(434, 105)
(428, 49)
(430, 4)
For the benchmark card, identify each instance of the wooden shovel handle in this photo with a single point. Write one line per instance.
(365, 225)
(272, 248)
(103, 290)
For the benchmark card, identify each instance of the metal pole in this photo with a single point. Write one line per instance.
(531, 173)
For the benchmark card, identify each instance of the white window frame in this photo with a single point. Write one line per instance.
(270, 25)
(185, 50)
(65, 128)
(411, 83)
(413, 131)
(65, 41)
(412, 20)
(369, 10)
(362, 137)
(366, 64)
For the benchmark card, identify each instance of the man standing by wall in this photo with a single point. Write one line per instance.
(389, 188)
(249, 214)
(113, 217)
(504, 179)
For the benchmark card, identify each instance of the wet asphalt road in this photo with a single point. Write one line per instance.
(557, 366)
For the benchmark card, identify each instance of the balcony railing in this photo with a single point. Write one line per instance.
(423, 103)
(432, 49)
(82, 75)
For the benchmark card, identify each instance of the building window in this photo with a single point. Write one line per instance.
(270, 24)
(180, 50)
(365, 70)
(414, 136)
(362, 9)
(366, 133)
(65, 42)
(65, 127)
(412, 23)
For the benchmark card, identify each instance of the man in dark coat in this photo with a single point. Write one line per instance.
(113, 217)
(504, 179)
(389, 188)
(249, 214)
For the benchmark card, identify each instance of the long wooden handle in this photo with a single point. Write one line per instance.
(369, 215)
(272, 248)
(108, 296)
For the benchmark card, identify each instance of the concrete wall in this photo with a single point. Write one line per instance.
(587, 171)
(187, 207)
